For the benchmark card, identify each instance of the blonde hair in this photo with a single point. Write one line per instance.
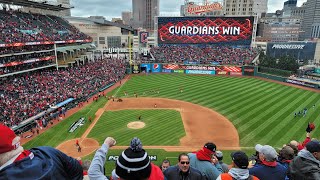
(294, 143)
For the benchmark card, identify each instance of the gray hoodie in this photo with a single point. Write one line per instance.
(238, 173)
(304, 166)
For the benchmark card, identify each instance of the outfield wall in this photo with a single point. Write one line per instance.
(191, 69)
(205, 69)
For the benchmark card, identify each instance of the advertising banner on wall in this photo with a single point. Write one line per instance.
(171, 66)
(45, 42)
(227, 70)
(248, 70)
(200, 72)
(156, 68)
(190, 67)
(235, 73)
(166, 70)
(302, 83)
(147, 67)
(135, 69)
(191, 62)
(298, 50)
(178, 71)
(222, 73)
(15, 63)
(205, 30)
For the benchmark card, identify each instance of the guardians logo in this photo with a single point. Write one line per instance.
(135, 69)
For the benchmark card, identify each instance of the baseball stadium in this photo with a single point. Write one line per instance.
(190, 82)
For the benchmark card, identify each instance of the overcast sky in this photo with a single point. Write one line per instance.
(113, 8)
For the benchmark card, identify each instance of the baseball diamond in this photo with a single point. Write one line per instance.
(259, 110)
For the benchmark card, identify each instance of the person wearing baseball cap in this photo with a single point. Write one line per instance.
(202, 160)
(36, 163)
(306, 165)
(224, 166)
(239, 168)
(268, 169)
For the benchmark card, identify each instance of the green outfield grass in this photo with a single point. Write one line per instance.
(262, 112)
(159, 124)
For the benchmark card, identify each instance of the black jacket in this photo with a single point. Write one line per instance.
(174, 173)
(304, 167)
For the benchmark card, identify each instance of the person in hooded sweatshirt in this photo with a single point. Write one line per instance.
(239, 168)
(269, 168)
(306, 165)
(36, 163)
(201, 160)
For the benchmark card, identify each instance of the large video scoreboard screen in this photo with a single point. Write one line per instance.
(205, 30)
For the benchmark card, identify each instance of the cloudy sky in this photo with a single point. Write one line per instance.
(113, 8)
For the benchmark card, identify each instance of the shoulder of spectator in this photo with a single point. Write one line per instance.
(194, 170)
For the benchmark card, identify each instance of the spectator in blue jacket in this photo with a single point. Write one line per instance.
(269, 169)
(205, 161)
(36, 163)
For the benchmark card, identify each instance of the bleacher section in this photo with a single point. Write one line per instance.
(204, 55)
(26, 41)
(20, 27)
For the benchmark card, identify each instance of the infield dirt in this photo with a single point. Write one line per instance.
(201, 125)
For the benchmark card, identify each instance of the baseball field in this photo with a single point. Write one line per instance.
(259, 111)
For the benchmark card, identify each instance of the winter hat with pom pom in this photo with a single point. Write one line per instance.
(133, 162)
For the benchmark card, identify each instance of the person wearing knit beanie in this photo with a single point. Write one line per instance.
(36, 163)
(132, 164)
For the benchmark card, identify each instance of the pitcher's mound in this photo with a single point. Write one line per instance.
(136, 125)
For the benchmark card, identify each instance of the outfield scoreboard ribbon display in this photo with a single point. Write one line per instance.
(205, 30)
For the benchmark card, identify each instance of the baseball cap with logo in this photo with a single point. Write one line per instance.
(212, 147)
(269, 152)
(240, 159)
(8, 140)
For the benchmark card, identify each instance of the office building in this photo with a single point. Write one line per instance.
(143, 13)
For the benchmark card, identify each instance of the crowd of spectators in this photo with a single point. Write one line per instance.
(25, 61)
(204, 55)
(294, 161)
(25, 95)
(27, 66)
(20, 27)
(23, 57)
(22, 49)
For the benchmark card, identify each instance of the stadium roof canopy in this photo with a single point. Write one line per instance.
(101, 22)
(106, 22)
(40, 4)
(72, 48)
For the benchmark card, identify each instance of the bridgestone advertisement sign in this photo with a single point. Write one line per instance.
(301, 83)
(298, 50)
